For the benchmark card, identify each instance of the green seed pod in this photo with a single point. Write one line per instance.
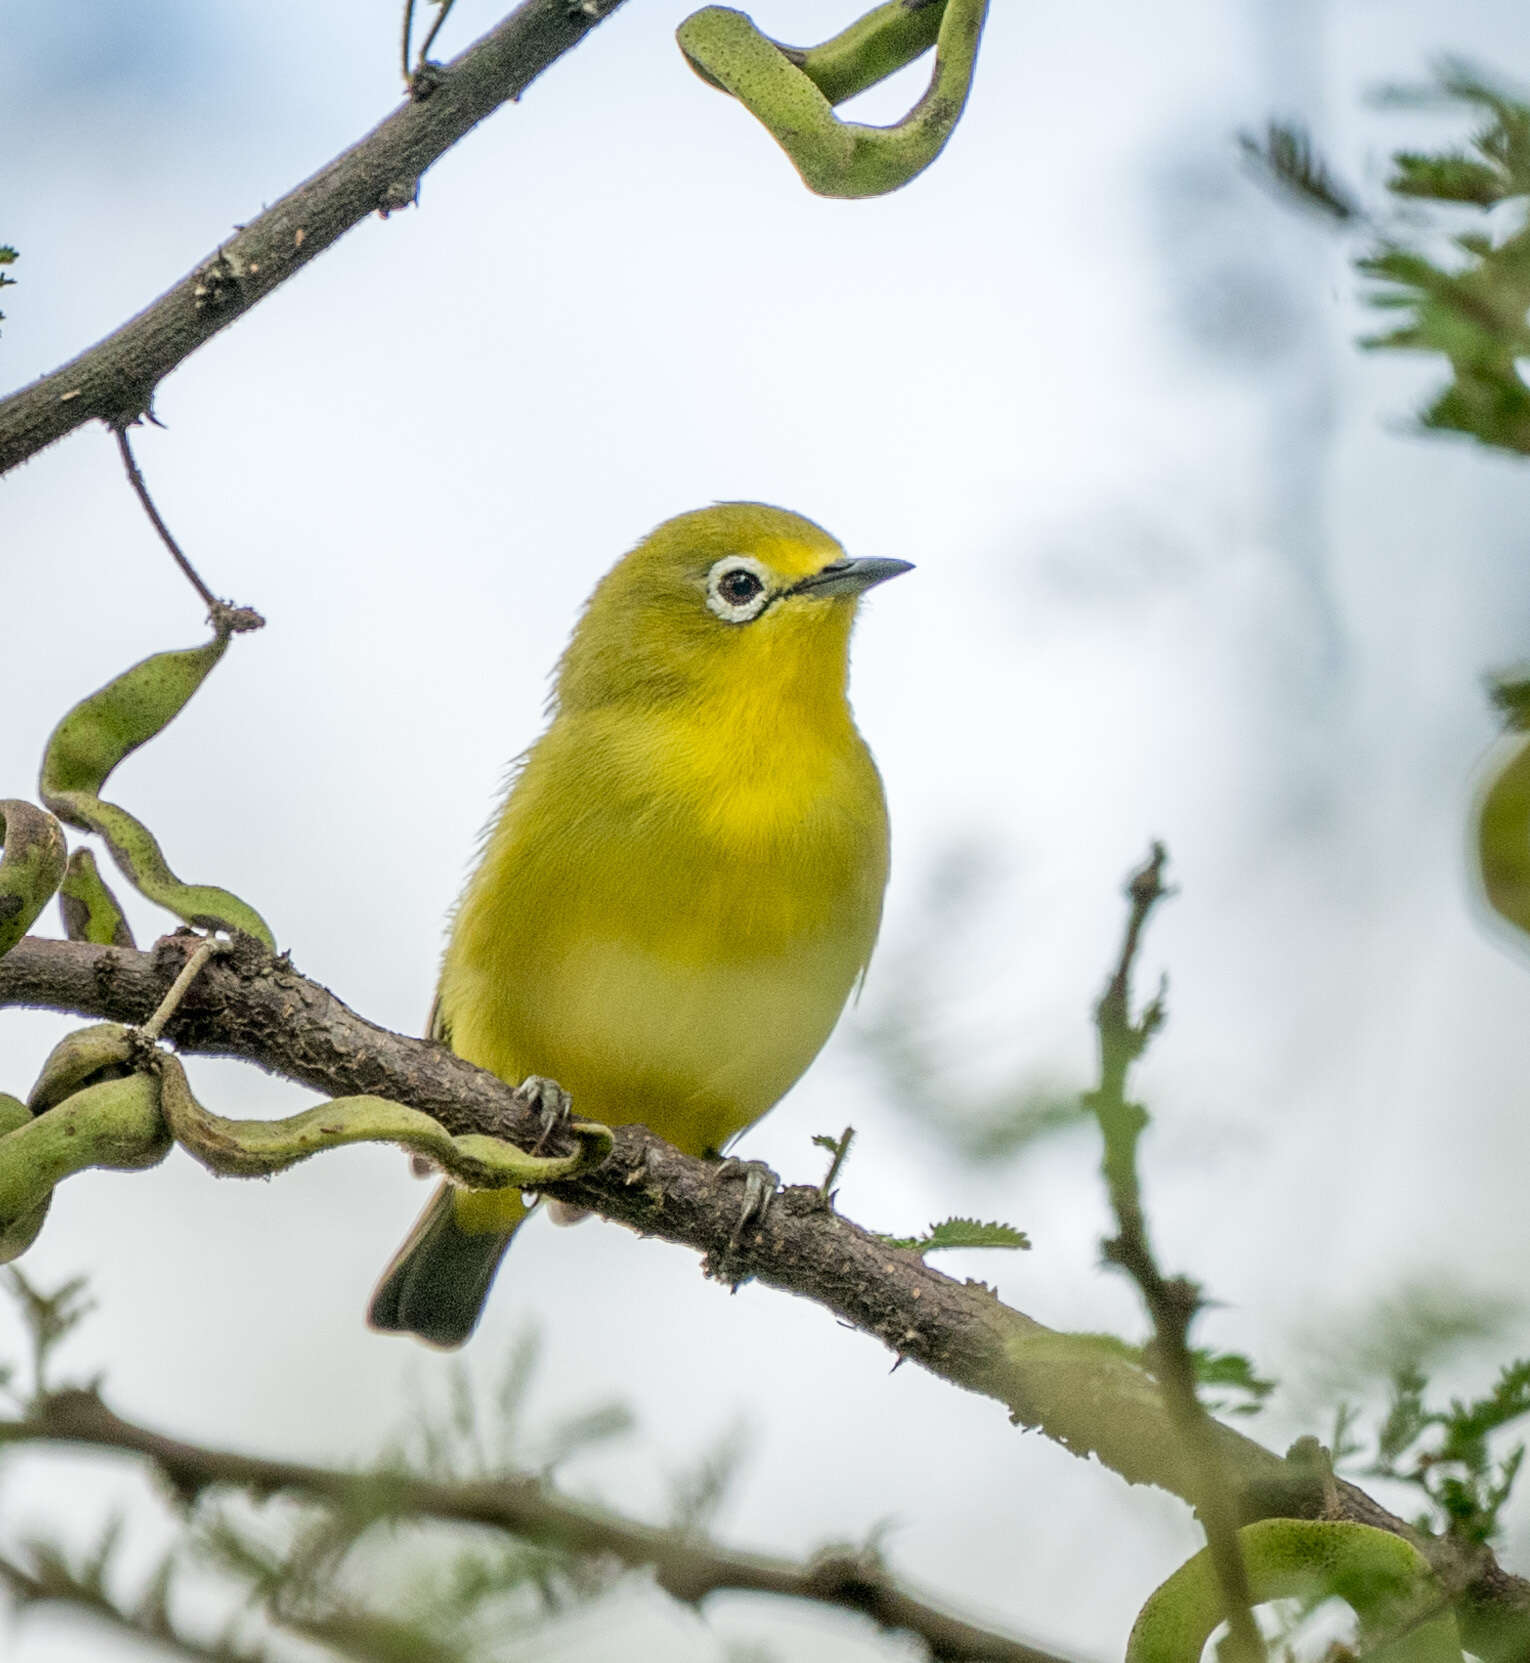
(1503, 840)
(116, 719)
(103, 1051)
(1385, 1580)
(90, 911)
(17, 1237)
(792, 91)
(255, 1148)
(89, 743)
(31, 867)
(1503, 817)
(872, 48)
(115, 1123)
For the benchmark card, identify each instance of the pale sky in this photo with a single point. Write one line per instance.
(1183, 572)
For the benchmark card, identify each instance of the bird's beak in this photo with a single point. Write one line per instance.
(850, 577)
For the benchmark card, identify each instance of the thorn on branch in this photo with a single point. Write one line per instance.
(216, 284)
(397, 195)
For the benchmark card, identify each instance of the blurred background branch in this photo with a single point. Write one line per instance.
(454, 1468)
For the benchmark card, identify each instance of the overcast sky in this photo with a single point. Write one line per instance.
(1184, 572)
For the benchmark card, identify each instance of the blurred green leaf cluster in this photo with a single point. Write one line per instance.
(1510, 694)
(1286, 154)
(1460, 290)
(1448, 1453)
(1230, 1372)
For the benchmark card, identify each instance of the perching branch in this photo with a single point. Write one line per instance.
(1173, 1302)
(114, 381)
(687, 1568)
(1080, 1391)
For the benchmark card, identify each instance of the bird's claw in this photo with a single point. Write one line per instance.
(548, 1100)
(761, 1184)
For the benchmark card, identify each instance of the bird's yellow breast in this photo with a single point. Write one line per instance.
(674, 906)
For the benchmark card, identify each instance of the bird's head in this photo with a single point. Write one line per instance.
(739, 595)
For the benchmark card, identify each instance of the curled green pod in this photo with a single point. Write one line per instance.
(103, 1051)
(256, 1148)
(18, 1235)
(13, 1113)
(115, 1123)
(792, 90)
(1385, 1580)
(89, 743)
(31, 867)
(90, 911)
(872, 48)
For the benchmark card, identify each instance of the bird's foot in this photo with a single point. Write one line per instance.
(761, 1185)
(550, 1101)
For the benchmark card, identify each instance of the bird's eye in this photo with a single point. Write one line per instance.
(739, 586)
(736, 589)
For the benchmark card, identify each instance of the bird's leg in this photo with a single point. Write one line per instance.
(550, 1101)
(556, 1108)
(760, 1186)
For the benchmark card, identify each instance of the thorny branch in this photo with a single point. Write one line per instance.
(686, 1567)
(51, 1584)
(1088, 1397)
(1172, 1302)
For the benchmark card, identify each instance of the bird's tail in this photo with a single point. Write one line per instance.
(440, 1277)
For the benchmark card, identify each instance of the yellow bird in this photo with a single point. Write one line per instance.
(686, 879)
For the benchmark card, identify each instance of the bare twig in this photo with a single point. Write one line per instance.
(114, 381)
(841, 1150)
(224, 615)
(179, 988)
(406, 56)
(1088, 1397)
(444, 7)
(1172, 1302)
(685, 1566)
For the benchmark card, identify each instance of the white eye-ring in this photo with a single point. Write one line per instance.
(738, 588)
